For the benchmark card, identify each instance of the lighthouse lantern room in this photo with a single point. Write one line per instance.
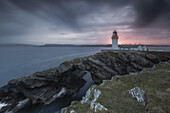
(115, 41)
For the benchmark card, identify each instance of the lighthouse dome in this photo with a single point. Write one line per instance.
(115, 36)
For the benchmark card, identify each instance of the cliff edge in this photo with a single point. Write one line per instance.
(144, 92)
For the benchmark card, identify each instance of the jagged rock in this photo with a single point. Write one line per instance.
(39, 88)
(64, 67)
(62, 92)
(91, 96)
(2, 105)
(19, 105)
(98, 107)
(91, 99)
(42, 87)
(139, 94)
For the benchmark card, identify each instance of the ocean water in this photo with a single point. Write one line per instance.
(16, 62)
(166, 49)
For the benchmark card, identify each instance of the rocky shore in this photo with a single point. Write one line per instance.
(44, 87)
(145, 92)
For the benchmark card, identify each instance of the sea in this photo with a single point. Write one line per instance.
(16, 62)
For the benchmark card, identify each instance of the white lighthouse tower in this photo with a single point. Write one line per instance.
(115, 41)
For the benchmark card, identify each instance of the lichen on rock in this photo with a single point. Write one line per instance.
(91, 97)
(139, 94)
(97, 107)
(72, 111)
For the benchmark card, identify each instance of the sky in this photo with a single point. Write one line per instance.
(84, 21)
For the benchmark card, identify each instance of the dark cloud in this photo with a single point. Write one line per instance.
(23, 17)
(148, 11)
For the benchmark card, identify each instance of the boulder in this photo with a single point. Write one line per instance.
(139, 94)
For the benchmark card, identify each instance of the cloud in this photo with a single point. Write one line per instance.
(148, 11)
(28, 21)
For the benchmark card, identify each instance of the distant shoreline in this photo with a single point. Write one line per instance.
(73, 45)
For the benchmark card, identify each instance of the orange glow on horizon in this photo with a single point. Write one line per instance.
(127, 38)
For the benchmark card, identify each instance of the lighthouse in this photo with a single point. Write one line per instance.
(115, 41)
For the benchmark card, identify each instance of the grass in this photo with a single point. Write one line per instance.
(115, 96)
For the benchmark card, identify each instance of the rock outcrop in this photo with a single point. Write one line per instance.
(46, 86)
(41, 87)
(115, 95)
(90, 98)
(139, 94)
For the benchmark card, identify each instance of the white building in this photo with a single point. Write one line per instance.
(115, 41)
(140, 47)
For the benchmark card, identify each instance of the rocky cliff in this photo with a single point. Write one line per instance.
(145, 92)
(46, 86)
